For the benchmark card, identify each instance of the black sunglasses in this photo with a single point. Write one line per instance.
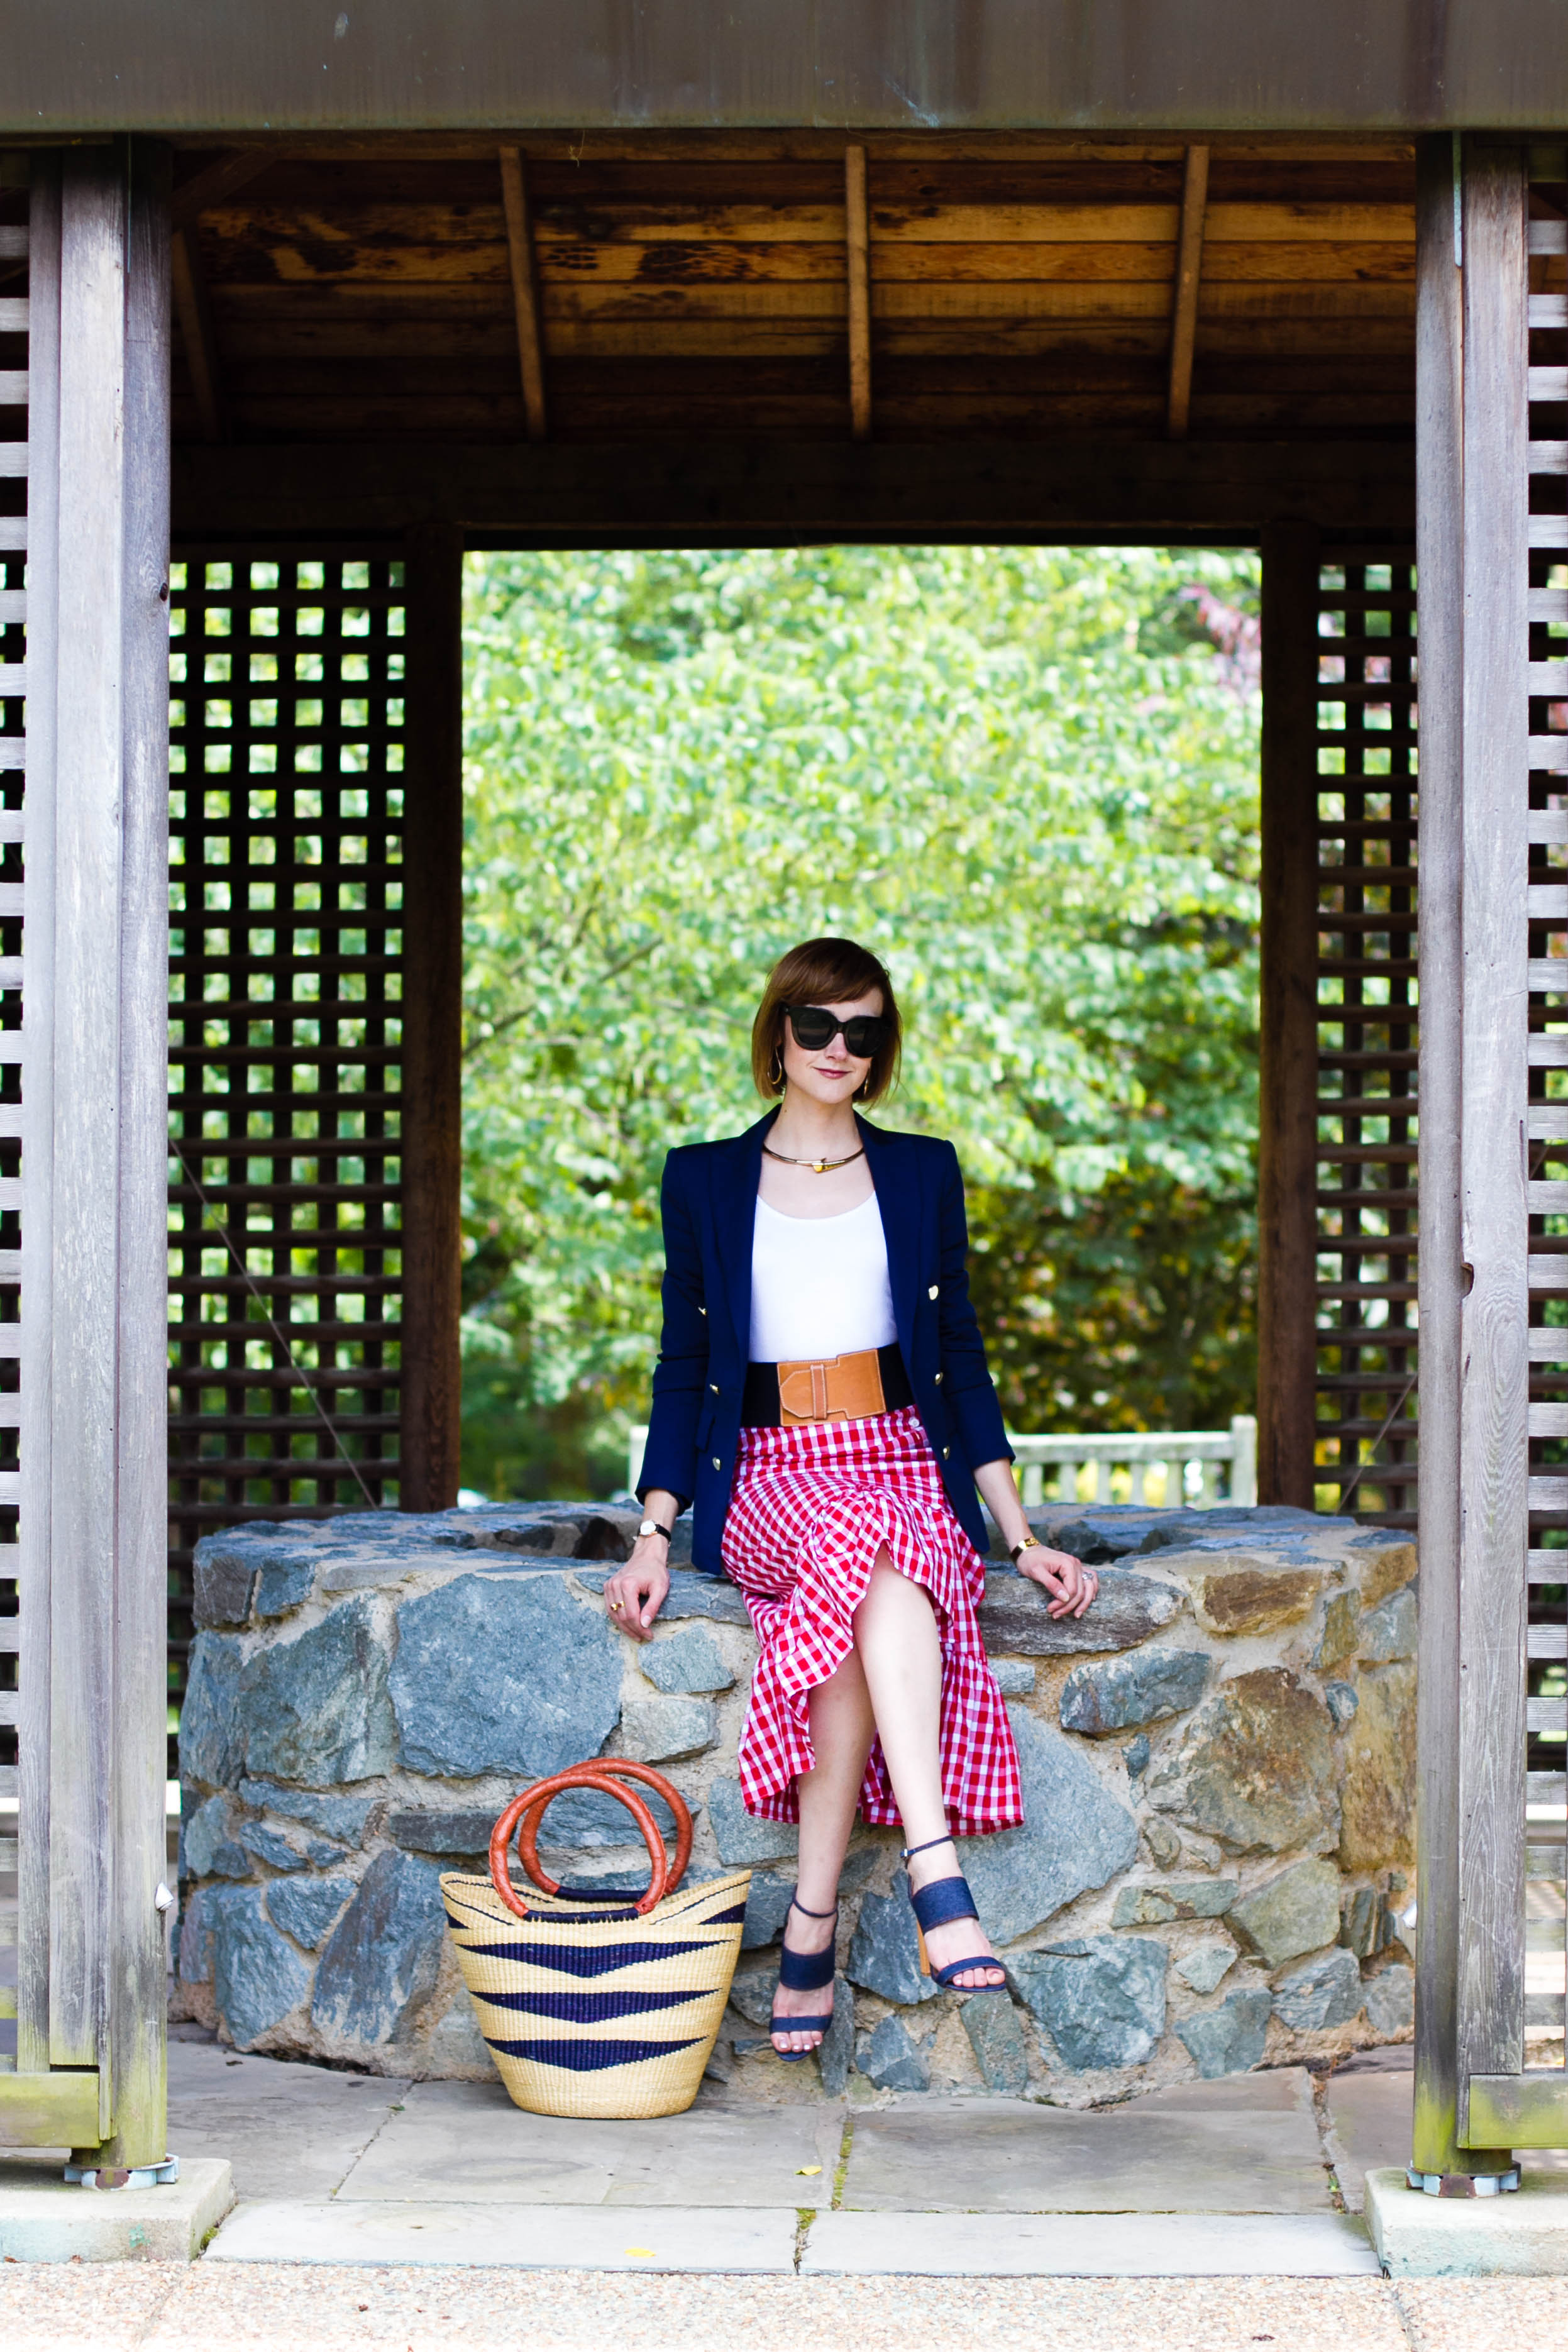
(865, 1035)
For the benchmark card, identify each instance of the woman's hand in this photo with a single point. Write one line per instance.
(1072, 1584)
(634, 1594)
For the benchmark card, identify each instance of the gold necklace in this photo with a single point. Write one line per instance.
(817, 1167)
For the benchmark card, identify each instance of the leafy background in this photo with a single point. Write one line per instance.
(1028, 778)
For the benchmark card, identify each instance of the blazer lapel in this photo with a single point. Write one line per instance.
(735, 1219)
(900, 1209)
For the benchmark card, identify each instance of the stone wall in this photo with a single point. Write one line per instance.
(1218, 1764)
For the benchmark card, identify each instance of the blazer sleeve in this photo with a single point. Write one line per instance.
(669, 1458)
(967, 1383)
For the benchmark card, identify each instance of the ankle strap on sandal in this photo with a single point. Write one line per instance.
(796, 1904)
(906, 1853)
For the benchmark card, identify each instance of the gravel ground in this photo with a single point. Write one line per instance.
(168, 2307)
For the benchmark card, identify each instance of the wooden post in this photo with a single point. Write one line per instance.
(1185, 305)
(858, 237)
(1440, 569)
(1287, 1169)
(524, 290)
(432, 1022)
(91, 2045)
(1494, 1452)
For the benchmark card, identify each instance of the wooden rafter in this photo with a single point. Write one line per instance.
(1184, 310)
(858, 239)
(524, 290)
(195, 314)
(216, 181)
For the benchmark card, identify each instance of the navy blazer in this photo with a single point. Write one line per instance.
(708, 1203)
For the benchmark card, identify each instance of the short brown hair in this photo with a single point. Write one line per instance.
(824, 972)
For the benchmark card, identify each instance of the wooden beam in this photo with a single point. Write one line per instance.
(726, 492)
(1185, 314)
(57, 2110)
(432, 1023)
(524, 290)
(1288, 1129)
(208, 187)
(1494, 1449)
(195, 314)
(1510, 2111)
(857, 238)
(1440, 569)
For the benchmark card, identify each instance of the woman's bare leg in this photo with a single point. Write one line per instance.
(900, 1651)
(841, 1734)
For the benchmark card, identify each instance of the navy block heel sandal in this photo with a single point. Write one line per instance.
(803, 1972)
(934, 1906)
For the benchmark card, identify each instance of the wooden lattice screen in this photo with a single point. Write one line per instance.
(13, 355)
(285, 1004)
(1367, 1032)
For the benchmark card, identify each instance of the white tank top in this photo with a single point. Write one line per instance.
(819, 1284)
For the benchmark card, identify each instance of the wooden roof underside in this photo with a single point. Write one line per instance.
(1021, 288)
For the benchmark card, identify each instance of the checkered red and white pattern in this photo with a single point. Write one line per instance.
(810, 1509)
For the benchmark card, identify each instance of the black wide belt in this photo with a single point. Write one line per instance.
(760, 1398)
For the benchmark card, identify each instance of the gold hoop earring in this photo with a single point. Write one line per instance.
(776, 1072)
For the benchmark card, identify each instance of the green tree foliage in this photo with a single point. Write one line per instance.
(1028, 778)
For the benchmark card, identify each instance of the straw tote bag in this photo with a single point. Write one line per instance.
(591, 2005)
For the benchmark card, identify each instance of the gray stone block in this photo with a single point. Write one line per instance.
(1135, 1756)
(1150, 1904)
(286, 1580)
(1074, 1835)
(306, 1909)
(276, 1848)
(315, 1709)
(1204, 1966)
(1389, 1632)
(1391, 1999)
(690, 1594)
(1297, 1911)
(209, 1845)
(884, 1953)
(584, 1818)
(836, 2053)
(890, 2059)
(686, 1661)
(767, 1907)
(210, 1746)
(752, 1993)
(384, 1955)
(223, 1573)
(1343, 1702)
(657, 1731)
(258, 1979)
(1014, 1616)
(193, 1949)
(343, 1818)
(741, 1837)
(1101, 1998)
(493, 1676)
(997, 2039)
(1145, 1687)
(1016, 1677)
(1256, 1768)
(1228, 2039)
(1322, 1992)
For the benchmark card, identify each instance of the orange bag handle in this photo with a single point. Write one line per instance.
(526, 1812)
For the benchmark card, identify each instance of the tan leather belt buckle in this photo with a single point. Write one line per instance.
(833, 1387)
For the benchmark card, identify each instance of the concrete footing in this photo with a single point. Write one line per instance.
(56, 2222)
(1524, 2235)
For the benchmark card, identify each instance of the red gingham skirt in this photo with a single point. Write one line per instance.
(810, 1509)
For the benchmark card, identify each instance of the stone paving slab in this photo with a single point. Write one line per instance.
(557, 2237)
(288, 2130)
(466, 2142)
(1254, 2151)
(1522, 2235)
(49, 2220)
(1090, 2245)
(1369, 2109)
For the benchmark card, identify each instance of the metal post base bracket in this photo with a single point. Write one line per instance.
(1463, 2184)
(116, 2175)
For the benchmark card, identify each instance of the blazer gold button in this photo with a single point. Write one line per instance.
(945, 1452)
(713, 1386)
(717, 1463)
(939, 1379)
(932, 1291)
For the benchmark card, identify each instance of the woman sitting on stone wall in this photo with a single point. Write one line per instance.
(822, 1397)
